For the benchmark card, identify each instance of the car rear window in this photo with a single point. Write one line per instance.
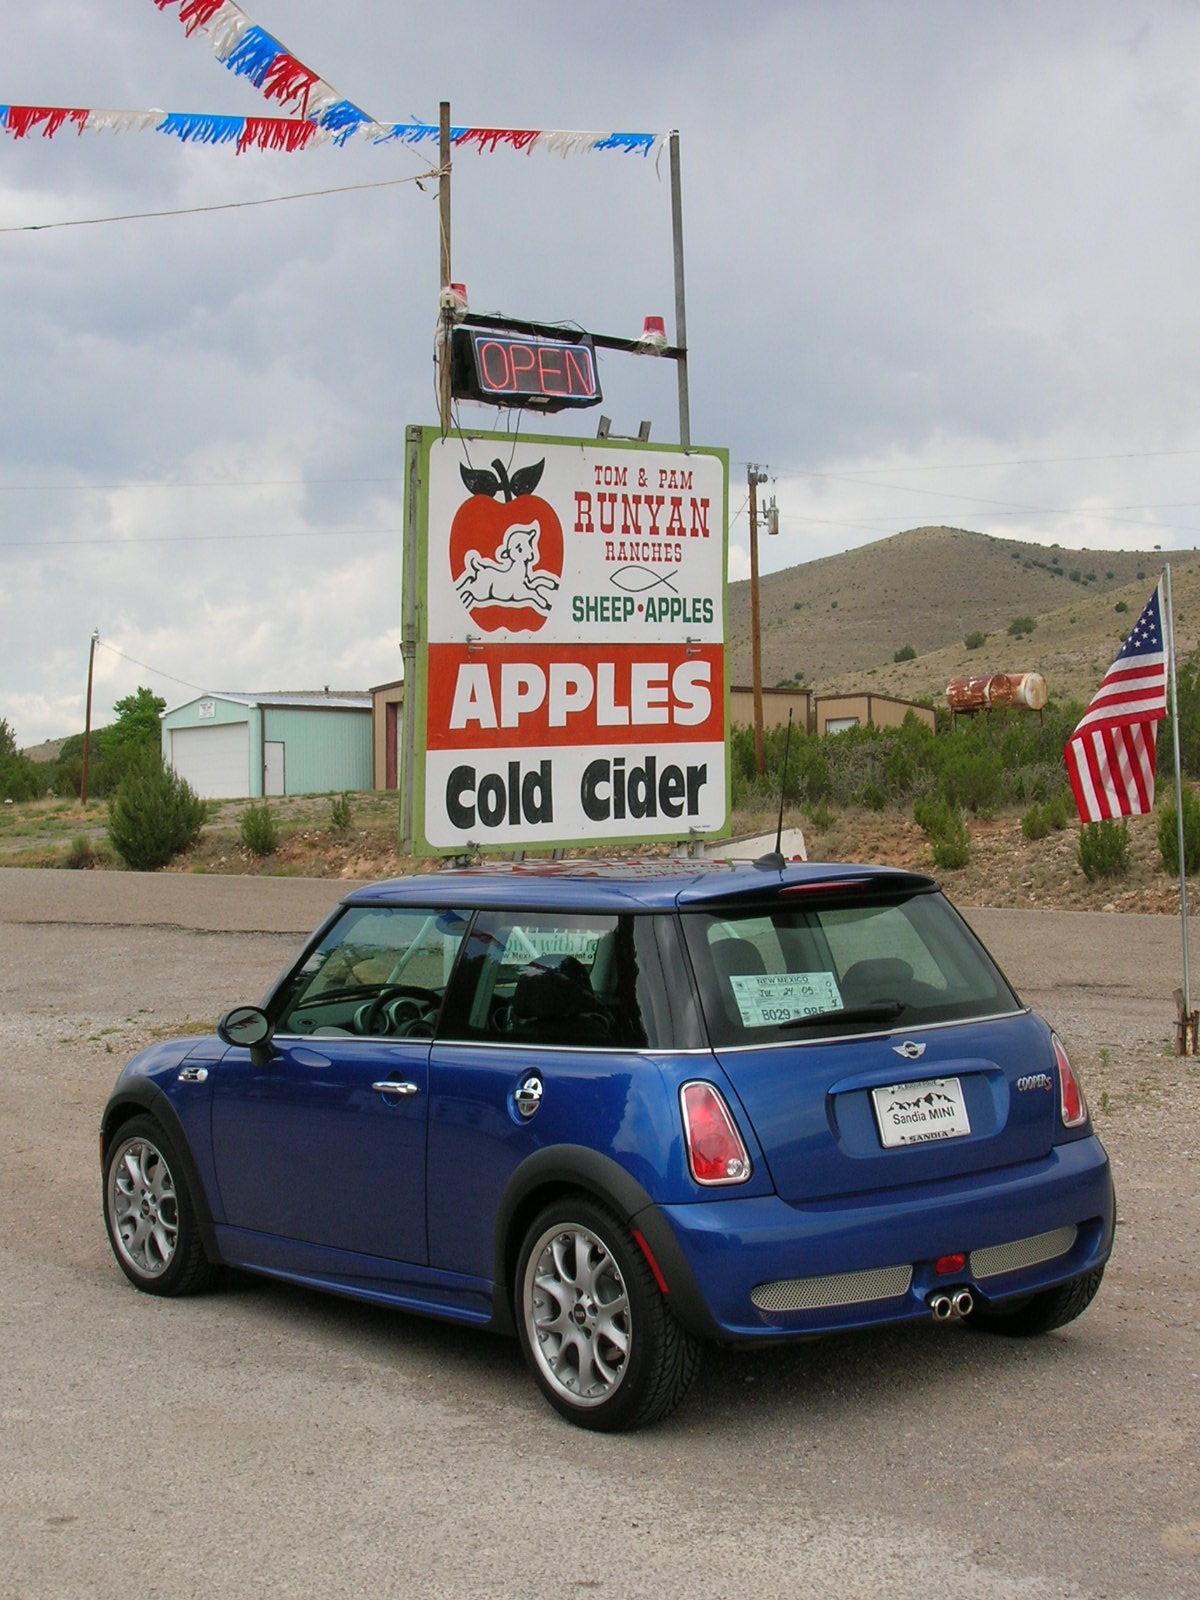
(850, 963)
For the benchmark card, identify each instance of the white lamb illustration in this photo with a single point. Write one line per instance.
(509, 580)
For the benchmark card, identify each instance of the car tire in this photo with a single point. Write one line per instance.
(597, 1333)
(1042, 1312)
(150, 1214)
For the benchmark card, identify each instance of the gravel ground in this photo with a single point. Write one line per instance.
(266, 1439)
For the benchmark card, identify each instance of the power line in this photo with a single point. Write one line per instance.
(995, 506)
(198, 483)
(226, 205)
(201, 538)
(157, 671)
(1020, 461)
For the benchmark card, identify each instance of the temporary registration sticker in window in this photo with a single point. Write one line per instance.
(767, 997)
(921, 1113)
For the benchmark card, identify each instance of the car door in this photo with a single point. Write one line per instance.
(323, 1143)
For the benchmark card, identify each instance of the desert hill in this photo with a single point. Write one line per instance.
(836, 623)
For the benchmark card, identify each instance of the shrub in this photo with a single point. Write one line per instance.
(1047, 816)
(1019, 626)
(1060, 810)
(1104, 849)
(946, 830)
(82, 854)
(339, 813)
(1121, 605)
(258, 830)
(1168, 835)
(153, 815)
(973, 773)
(20, 778)
(905, 653)
(952, 851)
(973, 641)
(1035, 823)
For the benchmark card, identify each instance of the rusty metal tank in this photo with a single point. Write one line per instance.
(1023, 691)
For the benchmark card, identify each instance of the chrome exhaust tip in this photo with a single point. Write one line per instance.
(963, 1302)
(941, 1306)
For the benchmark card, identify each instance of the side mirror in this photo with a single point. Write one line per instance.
(249, 1028)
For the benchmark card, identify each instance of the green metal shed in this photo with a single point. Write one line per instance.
(230, 746)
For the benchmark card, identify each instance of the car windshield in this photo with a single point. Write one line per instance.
(371, 953)
(824, 966)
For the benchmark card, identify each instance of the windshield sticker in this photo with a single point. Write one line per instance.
(532, 944)
(767, 997)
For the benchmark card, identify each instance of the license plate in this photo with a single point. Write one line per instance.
(921, 1113)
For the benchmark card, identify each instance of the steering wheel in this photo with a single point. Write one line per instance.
(368, 1019)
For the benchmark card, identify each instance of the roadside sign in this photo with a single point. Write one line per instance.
(568, 671)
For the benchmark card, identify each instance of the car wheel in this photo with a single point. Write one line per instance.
(1042, 1312)
(149, 1213)
(600, 1340)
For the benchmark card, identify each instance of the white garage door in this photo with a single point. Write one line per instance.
(215, 761)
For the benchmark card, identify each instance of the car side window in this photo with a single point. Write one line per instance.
(378, 971)
(550, 978)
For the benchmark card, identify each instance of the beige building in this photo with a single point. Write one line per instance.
(776, 705)
(834, 713)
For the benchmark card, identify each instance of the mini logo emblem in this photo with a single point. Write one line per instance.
(910, 1049)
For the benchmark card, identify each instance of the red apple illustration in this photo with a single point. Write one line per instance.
(506, 555)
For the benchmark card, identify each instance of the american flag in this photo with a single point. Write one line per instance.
(1110, 756)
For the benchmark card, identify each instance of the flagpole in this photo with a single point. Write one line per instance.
(1187, 978)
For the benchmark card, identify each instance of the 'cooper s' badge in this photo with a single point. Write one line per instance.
(910, 1049)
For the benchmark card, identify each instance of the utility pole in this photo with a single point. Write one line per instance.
(445, 306)
(87, 726)
(754, 476)
(685, 423)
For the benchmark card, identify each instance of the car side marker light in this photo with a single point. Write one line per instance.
(716, 1154)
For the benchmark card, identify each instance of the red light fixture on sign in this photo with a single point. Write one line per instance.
(518, 369)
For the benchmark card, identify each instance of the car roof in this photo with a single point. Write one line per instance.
(654, 883)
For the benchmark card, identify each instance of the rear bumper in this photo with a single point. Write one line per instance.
(824, 1251)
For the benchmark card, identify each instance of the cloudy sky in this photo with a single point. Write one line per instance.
(941, 258)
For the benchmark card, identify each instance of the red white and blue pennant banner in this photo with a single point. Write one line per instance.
(320, 115)
(290, 133)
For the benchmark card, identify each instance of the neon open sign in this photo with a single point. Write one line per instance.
(524, 370)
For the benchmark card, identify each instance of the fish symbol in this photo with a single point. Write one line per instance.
(636, 580)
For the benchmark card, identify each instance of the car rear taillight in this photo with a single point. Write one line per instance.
(715, 1150)
(1070, 1090)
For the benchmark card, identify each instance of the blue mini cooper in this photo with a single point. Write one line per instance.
(622, 1109)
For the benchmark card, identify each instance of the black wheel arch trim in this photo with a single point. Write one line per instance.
(142, 1095)
(575, 1167)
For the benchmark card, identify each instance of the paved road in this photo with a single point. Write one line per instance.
(264, 1439)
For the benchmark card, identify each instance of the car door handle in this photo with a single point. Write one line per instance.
(395, 1086)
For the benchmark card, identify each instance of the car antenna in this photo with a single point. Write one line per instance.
(773, 860)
